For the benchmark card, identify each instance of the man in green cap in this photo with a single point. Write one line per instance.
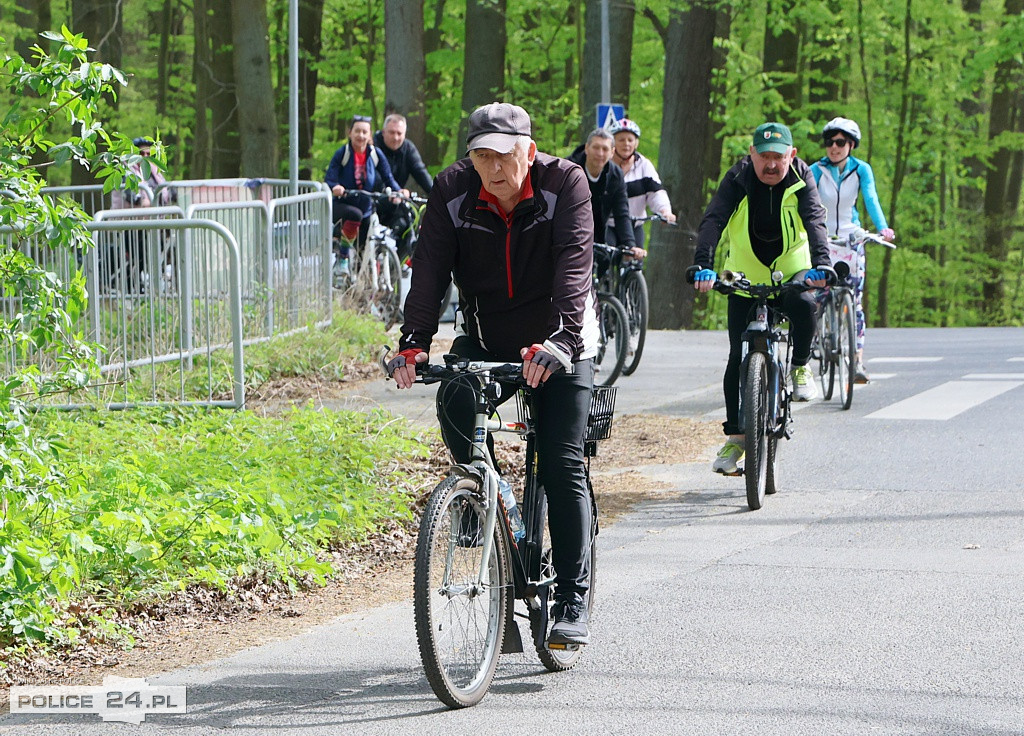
(768, 214)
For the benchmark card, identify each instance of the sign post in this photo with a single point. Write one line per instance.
(608, 113)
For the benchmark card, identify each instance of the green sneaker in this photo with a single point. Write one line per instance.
(804, 388)
(728, 459)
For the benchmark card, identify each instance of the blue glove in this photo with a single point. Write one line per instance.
(815, 275)
(705, 274)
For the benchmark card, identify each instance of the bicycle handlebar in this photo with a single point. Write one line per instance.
(654, 217)
(729, 282)
(456, 366)
(387, 194)
(860, 237)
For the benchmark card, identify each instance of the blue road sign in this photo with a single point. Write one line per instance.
(608, 113)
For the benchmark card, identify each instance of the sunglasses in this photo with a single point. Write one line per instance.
(836, 142)
(362, 119)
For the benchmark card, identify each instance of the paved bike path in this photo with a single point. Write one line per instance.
(885, 600)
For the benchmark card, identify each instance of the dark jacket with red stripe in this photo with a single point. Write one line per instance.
(523, 278)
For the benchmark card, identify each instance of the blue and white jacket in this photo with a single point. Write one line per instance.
(839, 190)
(342, 170)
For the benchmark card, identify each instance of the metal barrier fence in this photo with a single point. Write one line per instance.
(163, 284)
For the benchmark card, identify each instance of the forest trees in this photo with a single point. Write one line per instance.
(936, 87)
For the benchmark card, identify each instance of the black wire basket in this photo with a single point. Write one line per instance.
(602, 409)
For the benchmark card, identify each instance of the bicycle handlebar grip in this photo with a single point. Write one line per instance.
(691, 273)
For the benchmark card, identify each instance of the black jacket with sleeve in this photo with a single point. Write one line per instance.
(608, 200)
(740, 182)
(405, 162)
(523, 278)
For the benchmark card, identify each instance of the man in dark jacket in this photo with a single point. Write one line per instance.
(515, 229)
(607, 186)
(405, 161)
(768, 213)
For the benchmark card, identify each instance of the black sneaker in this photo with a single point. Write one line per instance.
(570, 614)
(860, 375)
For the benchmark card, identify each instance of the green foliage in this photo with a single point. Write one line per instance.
(162, 498)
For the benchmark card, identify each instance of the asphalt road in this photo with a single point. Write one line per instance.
(880, 592)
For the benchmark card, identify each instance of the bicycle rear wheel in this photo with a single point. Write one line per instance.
(460, 619)
(636, 301)
(614, 335)
(846, 344)
(755, 422)
(560, 660)
(826, 348)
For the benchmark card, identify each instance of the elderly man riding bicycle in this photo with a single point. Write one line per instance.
(514, 228)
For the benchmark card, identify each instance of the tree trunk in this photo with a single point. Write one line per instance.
(405, 67)
(199, 163)
(101, 22)
(713, 149)
(311, 13)
(224, 162)
(688, 63)
(431, 150)
(254, 89)
(899, 167)
(484, 59)
(621, 16)
(971, 198)
(997, 182)
(781, 57)
(826, 65)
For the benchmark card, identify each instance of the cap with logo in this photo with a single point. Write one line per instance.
(773, 137)
(497, 126)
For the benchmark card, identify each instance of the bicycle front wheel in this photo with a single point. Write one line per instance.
(846, 354)
(826, 348)
(755, 424)
(460, 617)
(636, 301)
(387, 292)
(614, 336)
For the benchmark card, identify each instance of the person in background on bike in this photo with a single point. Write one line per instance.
(607, 191)
(848, 177)
(515, 229)
(643, 185)
(145, 196)
(768, 213)
(405, 161)
(356, 165)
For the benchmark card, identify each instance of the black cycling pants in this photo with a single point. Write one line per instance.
(398, 217)
(561, 408)
(801, 310)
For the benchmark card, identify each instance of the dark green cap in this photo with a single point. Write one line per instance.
(772, 137)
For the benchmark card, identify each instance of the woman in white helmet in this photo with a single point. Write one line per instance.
(643, 185)
(841, 178)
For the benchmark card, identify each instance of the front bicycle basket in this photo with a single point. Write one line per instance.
(602, 408)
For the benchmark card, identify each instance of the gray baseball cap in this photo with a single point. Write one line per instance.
(497, 126)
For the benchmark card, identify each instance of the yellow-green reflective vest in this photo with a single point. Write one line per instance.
(796, 251)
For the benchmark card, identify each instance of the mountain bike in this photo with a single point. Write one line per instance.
(470, 569)
(625, 280)
(835, 345)
(765, 393)
(631, 289)
(373, 283)
(613, 323)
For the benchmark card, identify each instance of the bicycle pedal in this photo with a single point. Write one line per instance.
(563, 646)
(737, 474)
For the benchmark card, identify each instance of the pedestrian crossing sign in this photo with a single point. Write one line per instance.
(608, 113)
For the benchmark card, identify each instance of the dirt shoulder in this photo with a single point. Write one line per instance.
(202, 625)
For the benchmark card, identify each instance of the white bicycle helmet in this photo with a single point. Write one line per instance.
(842, 125)
(624, 125)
